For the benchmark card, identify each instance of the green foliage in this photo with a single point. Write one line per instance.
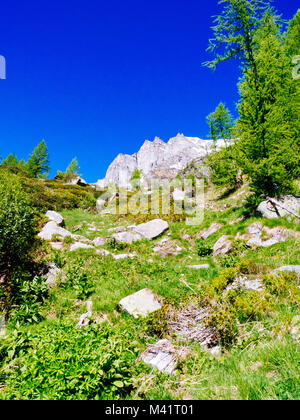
(136, 178)
(220, 123)
(18, 223)
(247, 267)
(28, 298)
(226, 277)
(223, 167)
(66, 363)
(225, 322)
(73, 168)
(251, 203)
(112, 243)
(203, 249)
(79, 280)
(292, 37)
(251, 305)
(38, 162)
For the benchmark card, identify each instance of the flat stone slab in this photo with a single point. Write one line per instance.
(141, 303)
(223, 246)
(152, 229)
(163, 356)
(199, 267)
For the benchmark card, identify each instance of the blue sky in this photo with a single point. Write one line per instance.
(97, 78)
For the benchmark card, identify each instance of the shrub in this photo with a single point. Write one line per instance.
(79, 280)
(203, 249)
(251, 203)
(18, 224)
(251, 306)
(224, 320)
(247, 267)
(60, 362)
(226, 277)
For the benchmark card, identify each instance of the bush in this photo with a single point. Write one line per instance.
(224, 320)
(18, 224)
(226, 277)
(60, 362)
(203, 249)
(79, 280)
(251, 203)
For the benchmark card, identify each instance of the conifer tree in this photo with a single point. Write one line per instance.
(73, 168)
(38, 162)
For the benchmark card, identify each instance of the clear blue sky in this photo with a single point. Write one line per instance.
(96, 78)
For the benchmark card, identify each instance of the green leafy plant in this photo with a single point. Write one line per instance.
(203, 249)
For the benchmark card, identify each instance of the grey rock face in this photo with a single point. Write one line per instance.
(140, 304)
(158, 159)
(99, 241)
(152, 229)
(127, 237)
(266, 209)
(53, 275)
(55, 217)
(209, 231)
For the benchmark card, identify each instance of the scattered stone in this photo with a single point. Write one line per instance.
(79, 245)
(56, 245)
(52, 229)
(290, 268)
(117, 229)
(167, 248)
(164, 356)
(80, 238)
(84, 318)
(215, 351)
(140, 303)
(99, 241)
(123, 256)
(199, 267)
(242, 282)
(55, 217)
(268, 210)
(223, 246)
(240, 219)
(152, 229)
(127, 237)
(209, 231)
(53, 275)
(188, 238)
(103, 252)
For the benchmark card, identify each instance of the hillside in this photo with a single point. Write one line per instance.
(228, 323)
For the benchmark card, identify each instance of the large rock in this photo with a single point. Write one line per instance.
(223, 246)
(141, 303)
(52, 229)
(267, 209)
(167, 248)
(152, 229)
(55, 217)
(77, 181)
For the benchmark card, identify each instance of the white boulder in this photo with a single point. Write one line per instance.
(152, 229)
(141, 303)
(55, 217)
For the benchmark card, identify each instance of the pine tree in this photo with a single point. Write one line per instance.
(220, 123)
(73, 168)
(38, 162)
(269, 125)
(234, 32)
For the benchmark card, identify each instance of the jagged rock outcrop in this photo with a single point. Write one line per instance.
(158, 160)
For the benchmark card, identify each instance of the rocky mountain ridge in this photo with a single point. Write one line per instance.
(158, 160)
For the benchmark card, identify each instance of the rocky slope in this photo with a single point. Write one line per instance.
(158, 160)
